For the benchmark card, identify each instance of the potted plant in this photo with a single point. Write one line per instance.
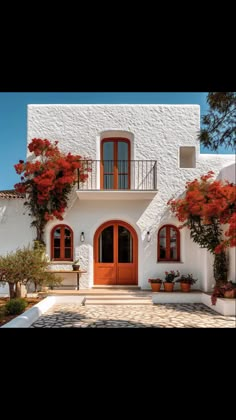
(155, 284)
(186, 280)
(169, 280)
(75, 265)
(227, 290)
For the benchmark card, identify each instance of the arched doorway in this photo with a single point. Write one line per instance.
(115, 254)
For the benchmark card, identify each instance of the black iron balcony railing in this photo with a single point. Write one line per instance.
(135, 175)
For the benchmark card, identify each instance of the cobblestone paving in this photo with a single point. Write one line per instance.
(133, 316)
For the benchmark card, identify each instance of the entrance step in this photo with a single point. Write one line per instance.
(117, 292)
(112, 295)
(119, 297)
(115, 287)
(104, 293)
(112, 301)
(115, 298)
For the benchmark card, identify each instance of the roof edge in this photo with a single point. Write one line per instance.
(8, 194)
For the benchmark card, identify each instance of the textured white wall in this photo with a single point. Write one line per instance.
(228, 173)
(15, 228)
(156, 132)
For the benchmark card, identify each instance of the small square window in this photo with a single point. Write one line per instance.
(187, 157)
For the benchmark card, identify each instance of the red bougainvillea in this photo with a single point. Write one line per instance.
(206, 206)
(209, 200)
(47, 181)
(230, 234)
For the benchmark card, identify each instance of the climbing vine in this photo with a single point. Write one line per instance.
(47, 180)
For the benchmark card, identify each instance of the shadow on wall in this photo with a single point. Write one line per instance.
(3, 214)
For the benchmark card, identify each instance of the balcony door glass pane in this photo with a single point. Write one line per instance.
(108, 181)
(125, 245)
(123, 165)
(108, 165)
(108, 150)
(123, 150)
(106, 239)
(108, 156)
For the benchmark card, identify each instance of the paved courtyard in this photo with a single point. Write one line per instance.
(133, 316)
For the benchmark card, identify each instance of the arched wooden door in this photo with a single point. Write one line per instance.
(115, 254)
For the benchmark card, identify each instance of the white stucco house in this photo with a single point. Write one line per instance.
(117, 222)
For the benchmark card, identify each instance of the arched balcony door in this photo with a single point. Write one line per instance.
(115, 164)
(116, 254)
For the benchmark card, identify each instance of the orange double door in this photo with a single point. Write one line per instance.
(115, 254)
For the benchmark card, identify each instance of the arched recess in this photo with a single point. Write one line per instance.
(116, 254)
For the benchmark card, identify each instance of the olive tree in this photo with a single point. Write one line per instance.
(25, 265)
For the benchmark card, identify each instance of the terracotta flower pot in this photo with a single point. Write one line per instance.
(168, 287)
(156, 287)
(229, 294)
(185, 287)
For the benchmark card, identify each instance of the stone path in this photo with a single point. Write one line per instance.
(132, 316)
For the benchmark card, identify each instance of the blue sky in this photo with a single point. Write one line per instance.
(13, 110)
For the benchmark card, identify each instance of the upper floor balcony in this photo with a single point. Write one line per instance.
(118, 179)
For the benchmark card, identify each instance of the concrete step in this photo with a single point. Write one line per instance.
(112, 301)
(114, 296)
(116, 287)
(117, 292)
(103, 292)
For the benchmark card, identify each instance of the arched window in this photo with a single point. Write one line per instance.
(115, 164)
(168, 243)
(62, 243)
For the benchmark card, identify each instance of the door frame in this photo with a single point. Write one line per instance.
(115, 140)
(135, 245)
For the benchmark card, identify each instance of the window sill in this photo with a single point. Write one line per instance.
(170, 262)
(61, 262)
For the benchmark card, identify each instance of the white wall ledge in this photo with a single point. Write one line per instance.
(29, 317)
(116, 194)
(226, 307)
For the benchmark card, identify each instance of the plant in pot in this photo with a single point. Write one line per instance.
(186, 280)
(227, 290)
(76, 265)
(169, 280)
(155, 284)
